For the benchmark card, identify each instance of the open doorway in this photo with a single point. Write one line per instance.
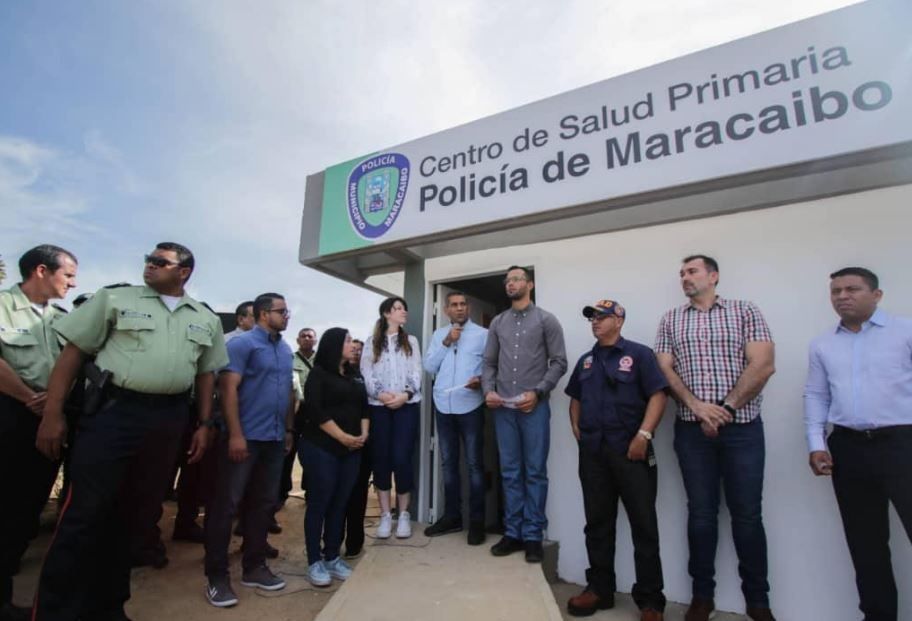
(486, 297)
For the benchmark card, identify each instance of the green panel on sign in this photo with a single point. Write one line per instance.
(336, 232)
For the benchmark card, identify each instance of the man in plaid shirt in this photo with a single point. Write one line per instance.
(717, 355)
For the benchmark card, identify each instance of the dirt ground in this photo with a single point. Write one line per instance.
(176, 592)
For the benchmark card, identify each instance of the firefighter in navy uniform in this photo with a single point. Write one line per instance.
(28, 349)
(156, 342)
(617, 396)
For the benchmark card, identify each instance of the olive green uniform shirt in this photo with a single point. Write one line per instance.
(301, 371)
(145, 346)
(28, 342)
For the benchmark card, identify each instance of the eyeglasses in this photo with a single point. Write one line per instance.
(510, 279)
(598, 317)
(158, 261)
(282, 311)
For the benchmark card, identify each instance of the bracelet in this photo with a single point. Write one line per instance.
(209, 423)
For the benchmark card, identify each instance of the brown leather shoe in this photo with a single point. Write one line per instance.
(587, 602)
(700, 609)
(760, 614)
(648, 614)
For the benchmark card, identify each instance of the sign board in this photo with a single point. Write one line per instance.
(834, 84)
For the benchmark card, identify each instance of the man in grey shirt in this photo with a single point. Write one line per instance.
(523, 359)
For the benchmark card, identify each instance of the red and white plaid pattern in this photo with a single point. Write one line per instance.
(708, 349)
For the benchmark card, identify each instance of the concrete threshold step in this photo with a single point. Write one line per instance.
(442, 579)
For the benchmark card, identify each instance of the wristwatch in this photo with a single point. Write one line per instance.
(645, 434)
(209, 423)
(727, 407)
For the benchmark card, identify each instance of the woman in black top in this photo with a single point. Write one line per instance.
(335, 430)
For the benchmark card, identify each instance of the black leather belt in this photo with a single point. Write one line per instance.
(125, 394)
(877, 432)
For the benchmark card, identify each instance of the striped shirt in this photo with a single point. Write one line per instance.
(708, 350)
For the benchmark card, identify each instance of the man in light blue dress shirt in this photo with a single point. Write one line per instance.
(455, 358)
(860, 382)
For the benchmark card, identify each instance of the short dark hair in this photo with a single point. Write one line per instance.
(263, 302)
(241, 310)
(184, 255)
(867, 275)
(45, 254)
(303, 330)
(525, 271)
(453, 294)
(359, 341)
(711, 264)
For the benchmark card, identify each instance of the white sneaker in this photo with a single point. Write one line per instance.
(385, 527)
(404, 527)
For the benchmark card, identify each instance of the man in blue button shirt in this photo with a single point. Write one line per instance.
(257, 403)
(617, 394)
(455, 358)
(860, 381)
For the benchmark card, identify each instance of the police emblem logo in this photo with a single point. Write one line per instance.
(587, 363)
(376, 192)
(625, 364)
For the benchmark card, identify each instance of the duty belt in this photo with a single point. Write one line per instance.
(125, 394)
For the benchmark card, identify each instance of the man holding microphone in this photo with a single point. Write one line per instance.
(455, 359)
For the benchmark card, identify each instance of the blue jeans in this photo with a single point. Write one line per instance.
(469, 427)
(523, 441)
(393, 437)
(736, 459)
(331, 478)
(256, 480)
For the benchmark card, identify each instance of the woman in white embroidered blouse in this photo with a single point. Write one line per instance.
(391, 366)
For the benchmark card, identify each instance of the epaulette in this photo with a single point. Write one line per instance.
(118, 285)
(60, 308)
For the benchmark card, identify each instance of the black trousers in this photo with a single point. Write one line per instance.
(127, 446)
(357, 506)
(196, 483)
(606, 477)
(869, 472)
(285, 482)
(27, 478)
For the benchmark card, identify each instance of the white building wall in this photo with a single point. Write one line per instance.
(780, 259)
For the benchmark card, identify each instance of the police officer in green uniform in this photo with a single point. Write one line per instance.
(156, 342)
(28, 348)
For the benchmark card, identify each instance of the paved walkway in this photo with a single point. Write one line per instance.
(444, 579)
(441, 579)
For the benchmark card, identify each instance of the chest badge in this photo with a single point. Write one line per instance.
(587, 363)
(625, 364)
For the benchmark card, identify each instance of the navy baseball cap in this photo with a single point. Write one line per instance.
(604, 307)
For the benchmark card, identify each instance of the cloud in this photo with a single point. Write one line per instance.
(36, 203)
(112, 160)
(53, 195)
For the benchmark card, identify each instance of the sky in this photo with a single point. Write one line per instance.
(123, 124)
